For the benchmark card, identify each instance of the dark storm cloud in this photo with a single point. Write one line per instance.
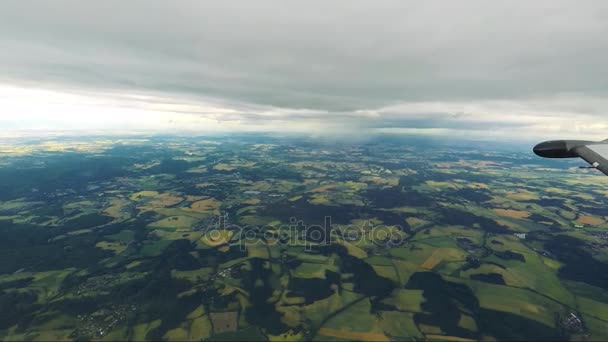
(335, 57)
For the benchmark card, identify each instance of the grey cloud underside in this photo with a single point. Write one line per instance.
(347, 119)
(335, 57)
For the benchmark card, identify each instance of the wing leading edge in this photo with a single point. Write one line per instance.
(595, 153)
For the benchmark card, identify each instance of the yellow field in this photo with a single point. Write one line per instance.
(174, 222)
(201, 169)
(430, 330)
(324, 188)
(210, 205)
(590, 220)
(192, 276)
(354, 250)
(257, 250)
(224, 321)
(196, 328)
(233, 166)
(557, 191)
(115, 210)
(511, 279)
(286, 337)
(142, 194)
(392, 181)
(80, 232)
(216, 237)
(14, 204)
(439, 185)
(178, 234)
(165, 200)
(522, 196)
(361, 223)
(133, 264)
(567, 214)
(467, 322)
(440, 254)
(342, 197)
(311, 270)
(432, 261)
(447, 338)
(477, 186)
(80, 205)
(191, 198)
(224, 167)
(508, 224)
(553, 264)
(141, 330)
(254, 220)
(115, 247)
(516, 214)
(353, 335)
(200, 329)
(386, 272)
(415, 222)
(319, 200)
(155, 199)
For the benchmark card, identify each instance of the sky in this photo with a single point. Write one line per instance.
(477, 69)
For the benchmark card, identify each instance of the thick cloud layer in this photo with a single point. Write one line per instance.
(517, 66)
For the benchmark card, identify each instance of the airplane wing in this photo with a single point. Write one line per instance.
(595, 153)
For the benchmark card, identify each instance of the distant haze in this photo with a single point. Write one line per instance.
(504, 69)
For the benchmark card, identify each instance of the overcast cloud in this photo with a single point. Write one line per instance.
(531, 68)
